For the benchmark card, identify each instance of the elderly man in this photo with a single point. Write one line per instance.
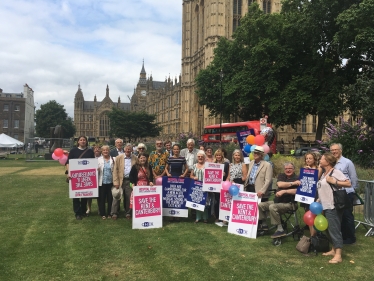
(346, 166)
(158, 160)
(167, 145)
(121, 173)
(190, 153)
(284, 200)
(118, 149)
(259, 175)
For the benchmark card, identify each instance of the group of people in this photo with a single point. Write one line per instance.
(123, 167)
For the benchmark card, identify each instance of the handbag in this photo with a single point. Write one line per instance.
(303, 245)
(319, 243)
(341, 199)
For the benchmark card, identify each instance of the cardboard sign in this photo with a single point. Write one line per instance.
(244, 215)
(225, 203)
(213, 177)
(174, 193)
(242, 140)
(147, 212)
(196, 197)
(306, 192)
(84, 178)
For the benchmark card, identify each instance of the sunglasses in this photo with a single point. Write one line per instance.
(140, 147)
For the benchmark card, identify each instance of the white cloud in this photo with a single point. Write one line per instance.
(54, 45)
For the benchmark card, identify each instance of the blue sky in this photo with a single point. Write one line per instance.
(55, 45)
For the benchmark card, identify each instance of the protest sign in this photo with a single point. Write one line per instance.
(196, 197)
(147, 212)
(225, 203)
(242, 140)
(84, 179)
(174, 193)
(213, 177)
(306, 192)
(244, 215)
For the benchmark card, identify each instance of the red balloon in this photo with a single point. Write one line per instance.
(58, 152)
(250, 139)
(259, 140)
(309, 218)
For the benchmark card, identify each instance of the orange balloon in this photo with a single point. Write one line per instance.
(250, 139)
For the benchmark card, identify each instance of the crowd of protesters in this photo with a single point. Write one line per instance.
(126, 166)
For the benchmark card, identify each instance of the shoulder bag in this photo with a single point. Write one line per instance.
(341, 199)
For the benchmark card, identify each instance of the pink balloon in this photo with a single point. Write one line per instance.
(55, 157)
(226, 185)
(259, 140)
(266, 148)
(63, 159)
(159, 181)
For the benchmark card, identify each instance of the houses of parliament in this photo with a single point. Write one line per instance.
(174, 100)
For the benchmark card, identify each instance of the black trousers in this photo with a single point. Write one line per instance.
(79, 206)
(105, 196)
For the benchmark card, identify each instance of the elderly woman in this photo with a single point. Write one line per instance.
(105, 170)
(197, 173)
(141, 149)
(334, 217)
(238, 169)
(81, 151)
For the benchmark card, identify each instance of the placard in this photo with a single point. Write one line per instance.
(147, 211)
(242, 140)
(174, 193)
(196, 197)
(244, 215)
(225, 203)
(84, 179)
(213, 177)
(306, 192)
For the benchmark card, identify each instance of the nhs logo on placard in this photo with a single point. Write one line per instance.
(194, 205)
(303, 198)
(147, 224)
(241, 231)
(173, 212)
(227, 218)
(211, 188)
(84, 162)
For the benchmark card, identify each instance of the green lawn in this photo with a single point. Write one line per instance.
(41, 240)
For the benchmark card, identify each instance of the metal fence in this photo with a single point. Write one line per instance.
(364, 214)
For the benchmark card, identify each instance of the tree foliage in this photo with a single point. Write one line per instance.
(132, 126)
(289, 65)
(52, 114)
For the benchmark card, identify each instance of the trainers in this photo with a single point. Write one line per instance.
(278, 234)
(78, 218)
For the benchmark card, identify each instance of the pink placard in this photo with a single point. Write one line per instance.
(147, 206)
(225, 200)
(83, 179)
(244, 212)
(213, 176)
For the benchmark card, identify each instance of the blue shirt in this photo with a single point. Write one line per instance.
(253, 172)
(107, 172)
(346, 166)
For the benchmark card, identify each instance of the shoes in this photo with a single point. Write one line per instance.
(278, 234)
(79, 218)
(128, 217)
(114, 217)
(349, 241)
(103, 217)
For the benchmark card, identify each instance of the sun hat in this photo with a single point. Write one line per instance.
(117, 193)
(259, 149)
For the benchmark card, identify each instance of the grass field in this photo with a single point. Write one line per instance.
(41, 240)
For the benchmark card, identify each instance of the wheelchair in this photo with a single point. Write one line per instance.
(286, 220)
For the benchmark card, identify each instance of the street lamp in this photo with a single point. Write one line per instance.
(220, 121)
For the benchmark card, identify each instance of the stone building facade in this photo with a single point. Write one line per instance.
(17, 114)
(90, 117)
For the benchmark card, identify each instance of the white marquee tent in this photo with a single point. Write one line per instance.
(7, 141)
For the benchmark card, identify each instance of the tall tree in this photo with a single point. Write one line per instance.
(286, 65)
(51, 114)
(133, 125)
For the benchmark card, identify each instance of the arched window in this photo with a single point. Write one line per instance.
(104, 125)
(237, 14)
(266, 6)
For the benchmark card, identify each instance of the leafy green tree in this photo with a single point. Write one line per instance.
(132, 125)
(286, 65)
(51, 114)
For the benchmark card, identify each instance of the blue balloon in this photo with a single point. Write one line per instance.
(316, 208)
(253, 148)
(266, 158)
(233, 190)
(247, 148)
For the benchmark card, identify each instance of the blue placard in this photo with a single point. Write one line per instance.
(306, 192)
(196, 198)
(174, 193)
(242, 139)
